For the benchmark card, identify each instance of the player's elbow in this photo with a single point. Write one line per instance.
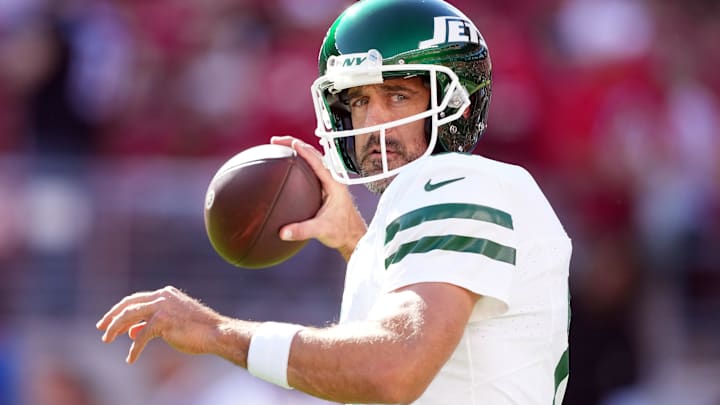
(402, 393)
(400, 384)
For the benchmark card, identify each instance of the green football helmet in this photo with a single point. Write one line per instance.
(377, 39)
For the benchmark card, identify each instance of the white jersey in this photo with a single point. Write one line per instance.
(485, 226)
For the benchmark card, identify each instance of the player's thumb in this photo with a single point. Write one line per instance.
(291, 233)
(301, 231)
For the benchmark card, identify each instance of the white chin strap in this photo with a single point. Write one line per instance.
(354, 70)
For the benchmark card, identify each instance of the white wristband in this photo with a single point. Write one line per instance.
(270, 350)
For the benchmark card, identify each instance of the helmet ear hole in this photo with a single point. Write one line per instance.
(462, 135)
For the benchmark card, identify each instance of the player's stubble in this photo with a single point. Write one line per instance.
(399, 155)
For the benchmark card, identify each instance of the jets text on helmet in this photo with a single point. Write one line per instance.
(452, 29)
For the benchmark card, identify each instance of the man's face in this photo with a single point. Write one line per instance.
(381, 103)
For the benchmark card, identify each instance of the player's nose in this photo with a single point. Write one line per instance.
(376, 114)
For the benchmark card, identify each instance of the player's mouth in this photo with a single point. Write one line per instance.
(372, 146)
(371, 161)
(375, 153)
(378, 153)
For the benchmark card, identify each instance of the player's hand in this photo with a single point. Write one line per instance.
(338, 224)
(168, 313)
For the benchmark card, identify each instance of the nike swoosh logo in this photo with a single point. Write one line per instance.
(430, 187)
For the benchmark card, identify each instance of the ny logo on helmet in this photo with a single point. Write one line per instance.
(452, 29)
(353, 61)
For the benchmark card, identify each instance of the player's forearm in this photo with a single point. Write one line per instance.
(348, 363)
(361, 363)
(390, 358)
(232, 340)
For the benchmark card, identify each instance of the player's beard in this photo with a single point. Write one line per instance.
(371, 164)
(379, 186)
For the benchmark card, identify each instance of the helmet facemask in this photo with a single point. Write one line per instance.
(448, 102)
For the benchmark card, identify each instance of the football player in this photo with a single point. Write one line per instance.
(457, 291)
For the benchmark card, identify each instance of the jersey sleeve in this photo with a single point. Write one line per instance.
(452, 225)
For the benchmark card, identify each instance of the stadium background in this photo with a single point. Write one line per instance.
(114, 114)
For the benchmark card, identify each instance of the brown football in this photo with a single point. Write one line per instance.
(251, 197)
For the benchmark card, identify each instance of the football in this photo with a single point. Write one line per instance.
(251, 197)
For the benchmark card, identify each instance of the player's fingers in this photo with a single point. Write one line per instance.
(311, 155)
(143, 336)
(135, 330)
(332, 190)
(285, 140)
(315, 159)
(130, 316)
(133, 299)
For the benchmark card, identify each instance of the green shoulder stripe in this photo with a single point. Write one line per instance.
(454, 243)
(447, 211)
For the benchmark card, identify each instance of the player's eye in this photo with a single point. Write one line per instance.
(358, 102)
(398, 98)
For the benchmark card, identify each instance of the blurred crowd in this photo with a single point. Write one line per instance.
(114, 115)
